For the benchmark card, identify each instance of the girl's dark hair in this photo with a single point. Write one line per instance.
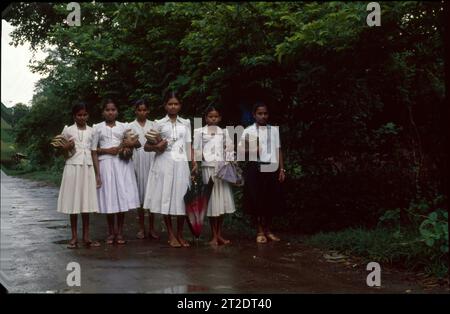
(211, 108)
(108, 101)
(170, 94)
(78, 106)
(140, 102)
(259, 104)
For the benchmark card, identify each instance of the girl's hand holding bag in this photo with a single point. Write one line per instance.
(229, 171)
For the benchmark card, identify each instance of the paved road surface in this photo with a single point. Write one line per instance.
(34, 258)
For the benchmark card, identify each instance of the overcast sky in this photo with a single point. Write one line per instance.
(17, 80)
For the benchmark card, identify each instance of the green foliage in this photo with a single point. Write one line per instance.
(385, 245)
(434, 230)
(429, 223)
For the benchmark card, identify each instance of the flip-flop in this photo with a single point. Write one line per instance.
(92, 244)
(261, 238)
(213, 243)
(184, 243)
(174, 243)
(110, 240)
(72, 245)
(153, 236)
(120, 240)
(272, 237)
(140, 235)
(224, 242)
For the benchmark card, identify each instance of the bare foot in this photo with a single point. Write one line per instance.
(110, 239)
(223, 241)
(183, 242)
(73, 244)
(120, 239)
(88, 243)
(153, 235)
(272, 237)
(141, 234)
(173, 242)
(214, 242)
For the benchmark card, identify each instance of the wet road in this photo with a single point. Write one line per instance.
(34, 258)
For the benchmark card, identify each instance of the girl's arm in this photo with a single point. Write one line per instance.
(96, 168)
(110, 151)
(159, 148)
(149, 147)
(196, 151)
(194, 154)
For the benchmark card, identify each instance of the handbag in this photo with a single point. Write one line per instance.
(229, 171)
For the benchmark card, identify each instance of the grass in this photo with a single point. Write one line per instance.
(399, 247)
(47, 176)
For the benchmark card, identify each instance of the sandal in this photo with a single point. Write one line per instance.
(261, 238)
(224, 241)
(110, 240)
(72, 245)
(120, 240)
(153, 235)
(140, 235)
(272, 237)
(174, 243)
(91, 243)
(184, 243)
(214, 242)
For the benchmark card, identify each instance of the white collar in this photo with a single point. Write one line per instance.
(74, 126)
(256, 127)
(166, 119)
(138, 124)
(205, 130)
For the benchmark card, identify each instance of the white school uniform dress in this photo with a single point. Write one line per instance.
(169, 177)
(78, 193)
(212, 147)
(119, 191)
(142, 160)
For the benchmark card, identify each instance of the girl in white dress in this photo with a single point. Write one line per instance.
(143, 162)
(169, 177)
(118, 192)
(77, 194)
(210, 144)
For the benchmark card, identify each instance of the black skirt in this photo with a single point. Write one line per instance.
(263, 194)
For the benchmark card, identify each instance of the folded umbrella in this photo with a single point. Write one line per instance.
(196, 200)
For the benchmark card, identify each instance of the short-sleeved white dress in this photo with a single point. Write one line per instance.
(212, 147)
(119, 191)
(78, 193)
(142, 160)
(169, 177)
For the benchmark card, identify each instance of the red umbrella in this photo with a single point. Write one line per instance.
(196, 200)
